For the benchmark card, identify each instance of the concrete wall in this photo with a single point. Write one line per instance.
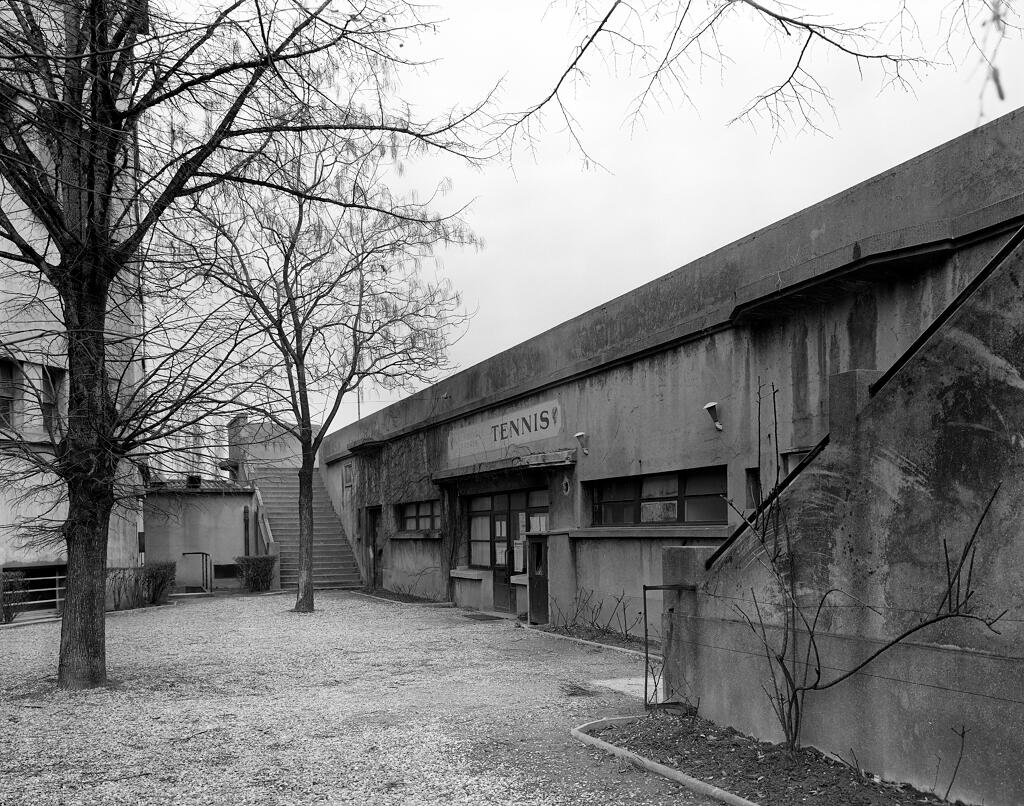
(874, 517)
(261, 444)
(647, 416)
(214, 523)
(413, 566)
(41, 501)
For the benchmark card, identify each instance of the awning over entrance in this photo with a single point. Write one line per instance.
(531, 461)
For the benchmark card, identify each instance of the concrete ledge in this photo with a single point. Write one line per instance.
(477, 574)
(582, 733)
(433, 534)
(402, 604)
(713, 534)
(625, 650)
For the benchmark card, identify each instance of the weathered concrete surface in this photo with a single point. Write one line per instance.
(839, 291)
(875, 518)
(236, 700)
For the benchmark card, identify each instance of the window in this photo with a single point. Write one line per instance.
(420, 516)
(498, 525)
(7, 371)
(753, 476)
(791, 459)
(690, 496)
(48, 392)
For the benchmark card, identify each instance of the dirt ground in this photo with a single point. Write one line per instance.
(239, 701)
(758, 771)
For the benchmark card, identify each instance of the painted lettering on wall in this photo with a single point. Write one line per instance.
(496, 435)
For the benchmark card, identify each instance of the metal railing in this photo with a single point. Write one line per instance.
(43, 592)
(264, 534)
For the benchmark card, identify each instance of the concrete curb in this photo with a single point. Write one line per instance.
(29, 622)
(106, 614)
(582, 733)
(598, 644)
(402, 604)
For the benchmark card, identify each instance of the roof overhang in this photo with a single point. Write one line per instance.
(533, 461)
(364, 447)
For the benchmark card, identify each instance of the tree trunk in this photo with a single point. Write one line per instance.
(304, 600)
(87, 463)
(83, 659)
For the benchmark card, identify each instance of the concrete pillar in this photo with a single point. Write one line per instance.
(561, 576)
(681, 565)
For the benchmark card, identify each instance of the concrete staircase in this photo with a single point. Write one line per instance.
(334, 566)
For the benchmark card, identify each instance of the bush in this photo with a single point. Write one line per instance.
(14, 589)
(256, 573)
(158, 577)
(126, 588)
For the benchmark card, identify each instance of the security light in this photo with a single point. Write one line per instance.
(581, 437)
(712, 410)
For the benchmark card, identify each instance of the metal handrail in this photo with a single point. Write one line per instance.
(57, 588)
(266, 534)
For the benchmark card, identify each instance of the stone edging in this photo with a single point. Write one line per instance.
(403, 604)
(598, 644)
(582, 733)
(106, 614)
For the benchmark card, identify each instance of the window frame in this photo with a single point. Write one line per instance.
(51, 381)
(791, 458)
(8, 394)
(431, 516)
(502, 512)
(634, 508)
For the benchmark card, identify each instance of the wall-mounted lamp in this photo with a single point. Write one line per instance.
(584, 440)
(712, 410)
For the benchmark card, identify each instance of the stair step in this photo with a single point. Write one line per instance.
(334, 564)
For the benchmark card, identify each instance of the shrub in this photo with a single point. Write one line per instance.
(13, 593)
(256, 573)
(158, 577)
(126, 588)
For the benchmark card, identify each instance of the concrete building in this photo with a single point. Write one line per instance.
(622, 447)
(33, 409)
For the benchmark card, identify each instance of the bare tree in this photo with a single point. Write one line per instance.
(115, 116)
(331, 290)
(668, 45)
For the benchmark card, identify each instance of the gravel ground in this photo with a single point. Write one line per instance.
(238, 701)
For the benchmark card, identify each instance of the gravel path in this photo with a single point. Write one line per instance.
(238, 701)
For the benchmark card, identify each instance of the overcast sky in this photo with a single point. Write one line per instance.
(562, 237)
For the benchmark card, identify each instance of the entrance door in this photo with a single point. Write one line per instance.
(504, 596)
(376, 570)
(498, 525)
